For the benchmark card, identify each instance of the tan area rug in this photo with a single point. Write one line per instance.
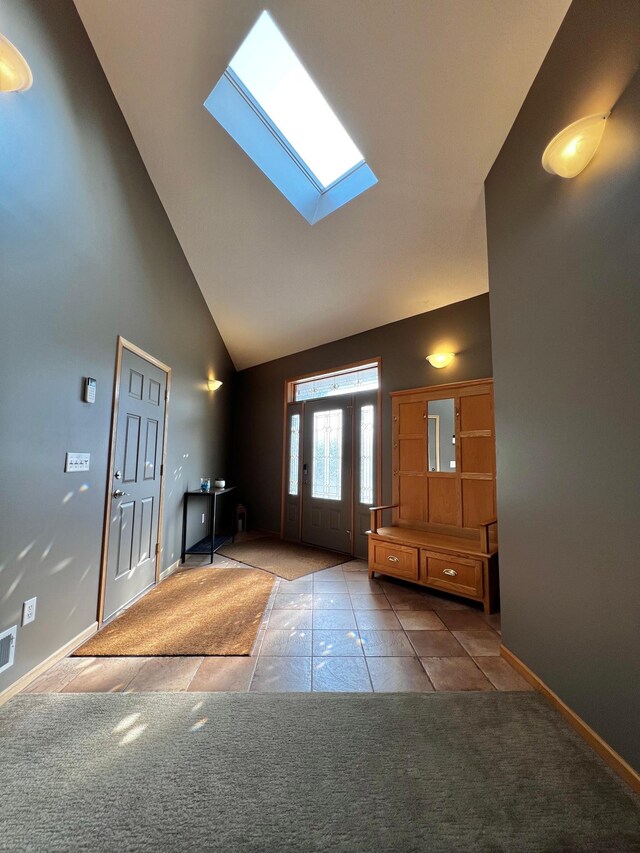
(194, 612)
(285, 559)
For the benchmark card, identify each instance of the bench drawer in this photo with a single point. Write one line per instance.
(455, 574)
(400, 561)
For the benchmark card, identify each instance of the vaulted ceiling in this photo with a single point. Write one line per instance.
(428, 90)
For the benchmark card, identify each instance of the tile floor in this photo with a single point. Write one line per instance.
(334, 630)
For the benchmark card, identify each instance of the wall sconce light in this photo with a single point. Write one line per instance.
(213, 384)
(572, 149)
(15, 74)
(440, 359)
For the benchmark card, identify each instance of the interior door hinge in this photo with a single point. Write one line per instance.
(157, 548)
(161, 470)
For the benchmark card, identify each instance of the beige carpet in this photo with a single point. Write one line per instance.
(194, 612)
(285, 559)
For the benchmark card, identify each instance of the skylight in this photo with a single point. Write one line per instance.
(275, 77)
(269, 104)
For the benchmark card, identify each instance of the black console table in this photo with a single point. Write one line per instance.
(212, 541)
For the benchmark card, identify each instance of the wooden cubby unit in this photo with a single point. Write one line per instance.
(443, 532)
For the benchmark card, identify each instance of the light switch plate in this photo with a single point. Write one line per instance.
(77, 462)
(29, 611)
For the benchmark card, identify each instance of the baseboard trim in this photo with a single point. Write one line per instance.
(46, 664)
(169, 570)
(613, 759)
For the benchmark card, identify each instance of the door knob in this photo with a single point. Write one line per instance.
(119, 494)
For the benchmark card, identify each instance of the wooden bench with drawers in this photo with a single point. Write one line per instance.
(443, 532)
(451, 559)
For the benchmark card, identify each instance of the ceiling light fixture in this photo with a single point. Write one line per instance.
(440, 359)
(572, 149)
(213, 384)
(15, 74)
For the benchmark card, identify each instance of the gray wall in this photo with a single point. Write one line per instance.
(564, 264)
(87, 254)
(462, 328)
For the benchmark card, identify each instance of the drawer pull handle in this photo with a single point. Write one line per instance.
(393, 559)
(451, 572)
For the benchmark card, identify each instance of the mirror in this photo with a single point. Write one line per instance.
(441, 434)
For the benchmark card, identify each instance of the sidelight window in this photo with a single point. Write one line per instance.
(294, 454)
(366, 455)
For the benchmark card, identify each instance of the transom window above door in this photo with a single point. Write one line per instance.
(364, 377)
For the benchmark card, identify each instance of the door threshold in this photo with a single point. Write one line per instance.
(125, 607)
(322, 548)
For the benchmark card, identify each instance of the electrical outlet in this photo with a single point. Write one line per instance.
(29, 611)
(203, 518)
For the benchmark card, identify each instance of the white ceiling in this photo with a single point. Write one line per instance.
(428, 89)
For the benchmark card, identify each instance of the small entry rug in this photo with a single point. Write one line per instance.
(193, 612)
(285, 559)
(304, 773)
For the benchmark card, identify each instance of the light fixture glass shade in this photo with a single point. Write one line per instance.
(440, 359)
(15, 74)
(213, 384)
(570, 150)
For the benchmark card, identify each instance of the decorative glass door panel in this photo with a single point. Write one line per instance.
(326, 474)
(326, 469)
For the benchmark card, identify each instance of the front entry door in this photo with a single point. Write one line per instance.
(327, 473)
(135, 489)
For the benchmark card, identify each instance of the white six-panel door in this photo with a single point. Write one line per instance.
(135, 489)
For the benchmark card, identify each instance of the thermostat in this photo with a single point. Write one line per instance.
(89, 390)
